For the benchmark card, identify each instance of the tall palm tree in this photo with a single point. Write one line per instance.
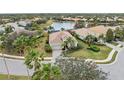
(9, 29)
(64, 44)
(33, 59)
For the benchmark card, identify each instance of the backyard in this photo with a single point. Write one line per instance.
(86, 53)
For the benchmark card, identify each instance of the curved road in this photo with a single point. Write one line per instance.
(115, 69)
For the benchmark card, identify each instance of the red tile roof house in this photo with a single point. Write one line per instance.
(57, 38)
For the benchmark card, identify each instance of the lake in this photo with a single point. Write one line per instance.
(66, 25)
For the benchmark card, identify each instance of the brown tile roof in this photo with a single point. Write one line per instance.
(97, 30)
(83, 31)
(57, 37)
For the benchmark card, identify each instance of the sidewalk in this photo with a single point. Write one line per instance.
(21, 57)
(12, 56)
(109, 58)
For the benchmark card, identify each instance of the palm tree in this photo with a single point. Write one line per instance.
(47, 72)
(64, 44)
(50, 29)
(33, 59)
(21, 44)
(9, 29)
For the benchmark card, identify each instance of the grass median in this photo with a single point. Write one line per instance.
(13, 77)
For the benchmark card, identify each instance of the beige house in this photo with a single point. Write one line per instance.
(57, 38)
(96, 31)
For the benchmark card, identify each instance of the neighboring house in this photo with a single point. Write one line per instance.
(36, 19)
(95, 31)
(71, 19)
(16, 33)
(56, 39)
(23, 23)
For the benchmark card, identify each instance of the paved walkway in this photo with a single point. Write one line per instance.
(56, 50)
(12, 56)
(114, 48)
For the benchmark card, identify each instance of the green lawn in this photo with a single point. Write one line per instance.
(112, 60)
(12, 77)
(85, 53)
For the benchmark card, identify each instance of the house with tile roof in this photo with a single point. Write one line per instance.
(96, 31)
(56, 39)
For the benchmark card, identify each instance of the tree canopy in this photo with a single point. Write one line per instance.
(79, 69)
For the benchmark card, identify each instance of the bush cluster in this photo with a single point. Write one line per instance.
(94, 48)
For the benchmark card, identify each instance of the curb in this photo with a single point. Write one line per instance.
(12, 57)
(21, 57)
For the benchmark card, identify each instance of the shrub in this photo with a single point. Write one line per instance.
(48, 48)
(94, 48)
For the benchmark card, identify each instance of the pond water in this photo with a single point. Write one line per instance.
(66, 25)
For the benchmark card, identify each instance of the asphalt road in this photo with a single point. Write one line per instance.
(115, 69)
(16, 67)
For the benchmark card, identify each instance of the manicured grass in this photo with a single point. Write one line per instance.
(12, 77)
(112, 60)
(86, 53)
(114, 43)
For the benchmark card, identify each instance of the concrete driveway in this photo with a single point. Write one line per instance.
(56, 50)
